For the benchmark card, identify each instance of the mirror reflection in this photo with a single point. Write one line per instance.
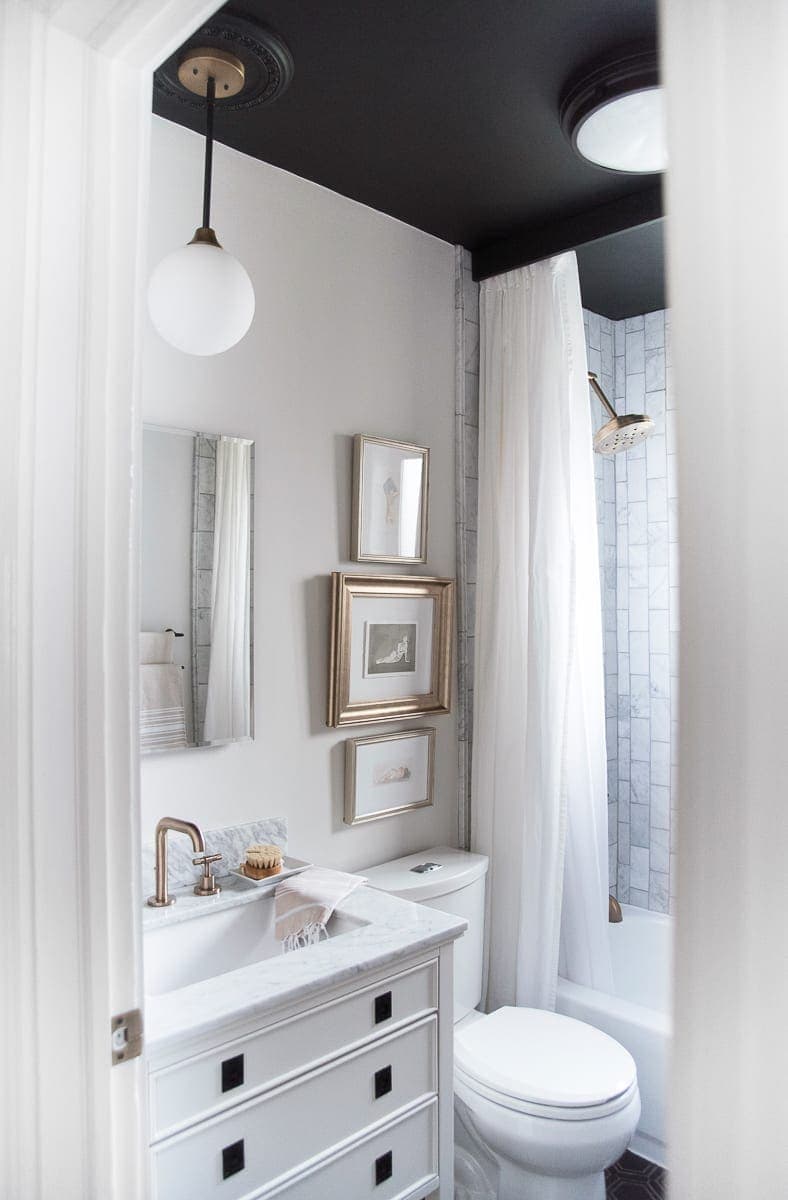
(196, 589)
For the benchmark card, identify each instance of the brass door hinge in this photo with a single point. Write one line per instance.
(126, 1036)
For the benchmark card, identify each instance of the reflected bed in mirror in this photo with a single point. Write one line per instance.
(196, 589)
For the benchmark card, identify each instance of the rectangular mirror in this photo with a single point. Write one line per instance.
(196, 641)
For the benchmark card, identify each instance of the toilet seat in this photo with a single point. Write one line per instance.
(465, 1085)
(544, 1064)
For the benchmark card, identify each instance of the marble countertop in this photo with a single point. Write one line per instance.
(388, 930)
(235, 891)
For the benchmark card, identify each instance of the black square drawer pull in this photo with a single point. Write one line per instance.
(384, 1168)
(232, 1073)
(382, 1082)
(233, 1159)
(383, 1007)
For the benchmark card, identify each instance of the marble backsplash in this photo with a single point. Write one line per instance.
(230, 842)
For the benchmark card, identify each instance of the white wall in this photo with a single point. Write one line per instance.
(353, 333)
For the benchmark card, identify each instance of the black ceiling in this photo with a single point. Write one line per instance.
(624, 275)
(444, 113)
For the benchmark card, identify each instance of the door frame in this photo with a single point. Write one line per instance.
(75, 119)
(75, 90)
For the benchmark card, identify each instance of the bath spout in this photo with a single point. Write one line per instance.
(614, 913)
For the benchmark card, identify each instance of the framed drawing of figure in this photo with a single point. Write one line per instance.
(390, 501)
(391, 647)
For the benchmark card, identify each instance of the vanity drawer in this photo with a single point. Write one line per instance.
(399, 1162)
(237, 1153)
(208, 1083)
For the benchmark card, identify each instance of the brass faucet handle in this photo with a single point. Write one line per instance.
(205, 859)
(207, 885)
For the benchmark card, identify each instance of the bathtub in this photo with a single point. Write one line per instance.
(637, 1015)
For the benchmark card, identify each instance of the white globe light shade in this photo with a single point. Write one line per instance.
(201, 299)
(627, 134)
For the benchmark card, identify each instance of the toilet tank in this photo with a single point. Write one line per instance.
(452, 881)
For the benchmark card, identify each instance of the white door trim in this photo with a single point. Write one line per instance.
(75, 80)
(727, 193)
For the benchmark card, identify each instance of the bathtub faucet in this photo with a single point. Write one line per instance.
(614, 913)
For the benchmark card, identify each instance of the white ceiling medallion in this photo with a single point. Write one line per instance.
(613, 113)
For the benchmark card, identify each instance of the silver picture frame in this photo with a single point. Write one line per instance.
(390, 501)
(391, 648)
(388, 774)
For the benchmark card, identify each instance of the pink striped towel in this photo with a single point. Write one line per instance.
(304, 904)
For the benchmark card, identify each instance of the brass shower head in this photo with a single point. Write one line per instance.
(620, 433)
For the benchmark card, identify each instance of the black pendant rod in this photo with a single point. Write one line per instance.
(210, 97)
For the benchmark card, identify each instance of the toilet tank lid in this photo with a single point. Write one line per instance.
(447, 871)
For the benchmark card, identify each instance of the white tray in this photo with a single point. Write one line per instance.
(290, 866)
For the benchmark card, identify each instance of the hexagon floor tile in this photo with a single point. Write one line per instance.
(633, 1178)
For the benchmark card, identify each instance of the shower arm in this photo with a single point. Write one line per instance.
(592, 379)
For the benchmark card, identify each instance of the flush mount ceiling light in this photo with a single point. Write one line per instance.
(613, 113)
(200, 298)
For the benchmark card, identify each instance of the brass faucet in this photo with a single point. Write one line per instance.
(162, 898)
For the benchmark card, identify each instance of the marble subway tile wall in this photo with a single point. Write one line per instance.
(646, 612)
(466, 306)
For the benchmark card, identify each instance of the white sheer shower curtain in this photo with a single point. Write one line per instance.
(539, 768)
(228, 700)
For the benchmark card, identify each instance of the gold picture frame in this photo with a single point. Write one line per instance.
(391, 647)
(389, 773)
(391, 489)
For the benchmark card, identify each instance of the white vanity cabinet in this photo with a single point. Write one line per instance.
(346, 1096)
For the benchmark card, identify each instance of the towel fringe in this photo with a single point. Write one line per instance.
(310, 935)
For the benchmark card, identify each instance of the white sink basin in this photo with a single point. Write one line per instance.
(186, 952)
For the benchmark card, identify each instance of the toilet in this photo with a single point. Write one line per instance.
(543, 1103)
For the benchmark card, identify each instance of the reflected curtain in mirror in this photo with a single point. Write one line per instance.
(227, 705)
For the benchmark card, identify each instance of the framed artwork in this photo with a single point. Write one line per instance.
(391, 647)
(388, 773)
(390, 501)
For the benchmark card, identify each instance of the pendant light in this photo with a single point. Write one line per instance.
(200, 298)
(613, 113)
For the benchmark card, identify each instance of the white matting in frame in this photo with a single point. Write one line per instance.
(400, 631)
(390, 501)
(388, 774)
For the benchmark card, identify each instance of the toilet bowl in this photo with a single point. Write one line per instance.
(551, 1101)
(544, 1103)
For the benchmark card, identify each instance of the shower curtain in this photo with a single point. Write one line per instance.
(539, 790)
(228, 703)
